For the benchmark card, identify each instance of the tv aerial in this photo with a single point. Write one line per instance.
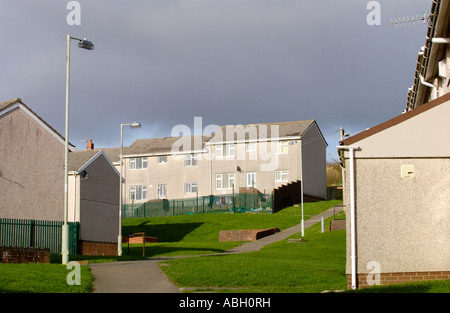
(423, 18)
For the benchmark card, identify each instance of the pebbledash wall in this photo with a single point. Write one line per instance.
(402, 179)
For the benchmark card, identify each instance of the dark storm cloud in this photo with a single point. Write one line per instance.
(162, 63)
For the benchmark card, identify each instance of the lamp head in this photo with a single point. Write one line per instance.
(135, 125)
(86, 44)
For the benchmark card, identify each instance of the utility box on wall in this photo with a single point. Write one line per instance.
(407, 171)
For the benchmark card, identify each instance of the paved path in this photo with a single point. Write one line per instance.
(146, 277)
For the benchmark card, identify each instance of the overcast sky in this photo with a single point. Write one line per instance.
(164, 62)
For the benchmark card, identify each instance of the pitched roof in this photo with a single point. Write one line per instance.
(261, 131)
(166, 145)
(79, 160)
(427, 61)
(396, 120)
(8, 106)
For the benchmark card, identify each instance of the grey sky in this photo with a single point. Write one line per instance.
(163, 62)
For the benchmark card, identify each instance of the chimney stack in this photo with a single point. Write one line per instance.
(90, 145)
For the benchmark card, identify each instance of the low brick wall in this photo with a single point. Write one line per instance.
(397, 278)
(97, 248)
(24, 255)
(337, 225)
(246, 234)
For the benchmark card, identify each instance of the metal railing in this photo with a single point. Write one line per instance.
(37, 234)
(229, 203)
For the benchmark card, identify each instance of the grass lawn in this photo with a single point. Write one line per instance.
(312, 266)
(315, 265)
(42, 278)
(199, 233)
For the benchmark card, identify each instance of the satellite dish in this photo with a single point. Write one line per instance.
(84, 175)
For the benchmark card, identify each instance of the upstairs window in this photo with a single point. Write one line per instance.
(138, 163)
(162, 159)
(190, 159)
(227, 150)
(282, 147)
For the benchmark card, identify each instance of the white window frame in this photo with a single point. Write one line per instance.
(162, 191)
(250, 147)
(138, 163)
(280, 174)
(162, 159)
(282, 147)
(190, 188)
(225, 181)
(225, 150)
(251, 179)
(190, 159)
(138, 192)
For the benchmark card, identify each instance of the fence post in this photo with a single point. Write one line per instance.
(32, 228)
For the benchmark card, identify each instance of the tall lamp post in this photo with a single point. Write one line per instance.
(119, 238)
(84, 44)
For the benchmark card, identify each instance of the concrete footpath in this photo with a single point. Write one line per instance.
(145, 276)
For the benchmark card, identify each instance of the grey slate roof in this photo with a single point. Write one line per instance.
(165, 145)
(79, 158)
(261, 131)
(190, 144)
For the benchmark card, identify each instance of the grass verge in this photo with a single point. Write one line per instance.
(313, 265)
(42, 278)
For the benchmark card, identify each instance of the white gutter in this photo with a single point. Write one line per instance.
(422, 80)
(351, 150)
(440, 40)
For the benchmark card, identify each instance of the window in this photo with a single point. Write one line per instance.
(282, 147)
(250, 147)
(190, 159)
(190, 187)
(281, 175)
(225, 181)
(227, 150)
(138, 192)
(162, 159)
(251, 179)
(138, 163)
(162, 191)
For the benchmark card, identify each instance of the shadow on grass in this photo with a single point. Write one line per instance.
(164, 232)
(168, 250)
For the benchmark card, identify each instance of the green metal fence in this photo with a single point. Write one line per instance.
(37, 234)
(237, 203)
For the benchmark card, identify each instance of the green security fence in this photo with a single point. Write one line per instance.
(237, 203)
(37, 234)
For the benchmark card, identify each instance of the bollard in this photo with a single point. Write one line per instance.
(323, 224)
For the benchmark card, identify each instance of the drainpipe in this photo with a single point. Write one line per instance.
(351, 150)
(422, 80)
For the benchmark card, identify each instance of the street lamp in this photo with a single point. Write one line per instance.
(85, 44)
(119, 238)
(301, 185)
